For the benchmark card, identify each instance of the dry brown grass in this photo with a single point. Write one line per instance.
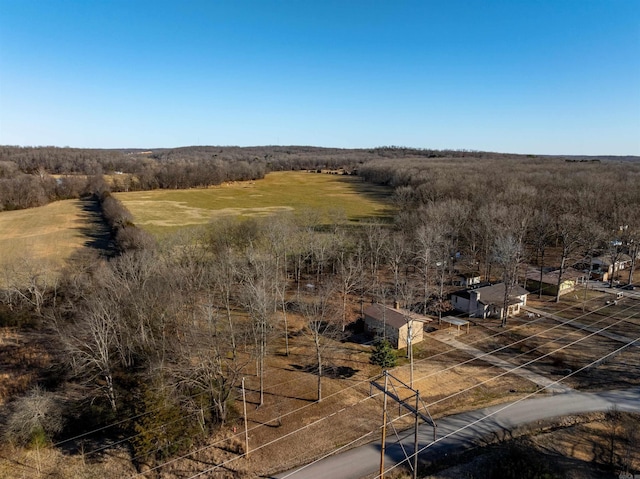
(291, 428)
(20, 463)
(44, 236)
(576, 447)
(24, 358)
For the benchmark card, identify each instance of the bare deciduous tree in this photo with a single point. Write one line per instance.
(320, 325)
(508, 255)
(257, 278)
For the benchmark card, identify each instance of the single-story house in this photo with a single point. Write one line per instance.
(549, 284)
(401, 326)
(602, 266)
(488, 301)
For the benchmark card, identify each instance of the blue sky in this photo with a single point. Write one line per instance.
(546, 77)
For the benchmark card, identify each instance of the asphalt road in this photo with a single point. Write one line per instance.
(461, 430)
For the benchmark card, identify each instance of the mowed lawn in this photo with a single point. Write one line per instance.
(44, 236)
(333, 196)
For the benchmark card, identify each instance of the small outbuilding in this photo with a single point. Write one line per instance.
(399, 326)
(467, 280)
(457, 322)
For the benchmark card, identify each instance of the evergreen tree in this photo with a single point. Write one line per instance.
(383, 354)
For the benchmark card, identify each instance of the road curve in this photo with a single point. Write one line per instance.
(461, 430)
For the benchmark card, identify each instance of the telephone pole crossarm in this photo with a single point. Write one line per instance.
(404, 404)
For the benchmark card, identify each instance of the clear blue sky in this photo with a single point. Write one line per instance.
(558, 76)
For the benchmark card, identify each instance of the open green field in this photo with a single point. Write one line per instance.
(162, 211)
(45, 236)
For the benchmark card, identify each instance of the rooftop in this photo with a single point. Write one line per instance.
(394, 317)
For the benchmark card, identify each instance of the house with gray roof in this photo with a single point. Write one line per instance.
(488, 301)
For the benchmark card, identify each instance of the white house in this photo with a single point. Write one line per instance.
(488, 301)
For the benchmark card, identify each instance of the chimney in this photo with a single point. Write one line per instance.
(396, 305)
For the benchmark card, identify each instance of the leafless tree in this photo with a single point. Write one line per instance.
(94, 345)
(278, 234)
(376, 238)
(206, 363)
(424, 244)
(397, 250)
(39, 412)
(348, 277)
(569, 231)
(320, 325)
(508, 255)
(540, 233)
(257, 278)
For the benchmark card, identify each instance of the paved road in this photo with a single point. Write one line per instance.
(462, 430)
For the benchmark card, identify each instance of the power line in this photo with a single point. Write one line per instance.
(469, 425)
(484, 418)
(338, 392)
(534, 360)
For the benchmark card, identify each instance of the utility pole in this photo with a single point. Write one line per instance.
(410, 350)
(384, 426)
(246, 430)
(413, 409)
(415, 438)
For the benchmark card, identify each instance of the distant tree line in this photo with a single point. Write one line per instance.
(35, 176)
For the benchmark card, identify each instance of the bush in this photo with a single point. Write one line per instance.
(34, 419)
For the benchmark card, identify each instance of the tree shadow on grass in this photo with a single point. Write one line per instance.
(94, 229)
(333, 372)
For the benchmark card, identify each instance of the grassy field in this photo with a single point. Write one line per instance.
(46, 236)
(338, 196)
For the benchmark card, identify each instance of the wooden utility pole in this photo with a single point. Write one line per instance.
(410, 347)
(413, 409)
(246, 430)
(384, 426)
(415, 438)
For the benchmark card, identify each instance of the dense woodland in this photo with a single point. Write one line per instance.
(159, 336)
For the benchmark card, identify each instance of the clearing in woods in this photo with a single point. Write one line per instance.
(334, 198)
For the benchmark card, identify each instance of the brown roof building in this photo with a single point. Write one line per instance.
(396, 325)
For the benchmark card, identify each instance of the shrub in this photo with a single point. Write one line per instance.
(34, 419)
